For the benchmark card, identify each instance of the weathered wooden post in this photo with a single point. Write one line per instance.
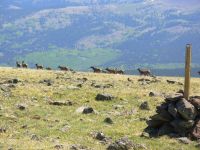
(187, 71)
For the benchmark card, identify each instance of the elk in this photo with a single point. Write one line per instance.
(24, 65)
(120, 71)
(18, 65)
(63, 68)
(48, 68)
(111, 71)
(96, 70)
(144, 72)
(39, 66)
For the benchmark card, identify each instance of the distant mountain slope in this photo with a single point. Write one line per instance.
(138, 32)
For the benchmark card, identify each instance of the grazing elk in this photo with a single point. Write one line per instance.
(63, 68)
(144, 72)
(48, 68)
(120, 71)
(24, 65)
(39, 66)
(111, 71)
(18, 65)
(96, 70)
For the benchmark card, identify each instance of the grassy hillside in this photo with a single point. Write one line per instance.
(43, 126)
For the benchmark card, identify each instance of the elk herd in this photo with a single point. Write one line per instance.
(144, 72)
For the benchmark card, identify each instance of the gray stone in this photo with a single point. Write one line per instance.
(184, 140)
(85, 110)
(61, 103)
(21, 106)
(78, 147)
(182, 124)
(121, 144)
(165, 129)
(173, 98)
(59, 146)
(195, 133)
(108, 120)
(162, 115)
(172, 110)
(145, 106)
(154, 94)
(186, 109)
(196, 103)
(104, 97)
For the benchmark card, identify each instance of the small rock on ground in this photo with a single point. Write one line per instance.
(184, 140)
(145, 106)
(104, 97)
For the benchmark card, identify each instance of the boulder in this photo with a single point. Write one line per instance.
(173, 97)
(155, 123)
(104, 97)
(165, 129)
(186, 109)
(172, 110)
(195, 133)
(196, 103)
(182, 124)
(162, 115)
(88, 110)
(121, 144)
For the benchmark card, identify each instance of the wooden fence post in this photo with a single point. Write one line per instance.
(187, 71)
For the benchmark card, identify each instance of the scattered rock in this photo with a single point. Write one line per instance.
(73, 88)
(14, 81)
(36, 117)
(121, 144)
(85, 110)
(145, 134)
(145, 106)
(195, 133)
(108, 120)
(58, 146)
(186, 109)
(172, 110)
(61, 103)
(48, 82)
(173, 97)
(174, 82)
(118, 106)
(21, 106)
(35, 137)
(104, 97)
(196, 103)
(184, 140)
(2, 130)
(78, 147)
(24, 126)
(88, 110)
(5, 88)
(65, 128)
(165, 130)
(154, 94)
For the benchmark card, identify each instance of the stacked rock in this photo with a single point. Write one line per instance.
(176, 116)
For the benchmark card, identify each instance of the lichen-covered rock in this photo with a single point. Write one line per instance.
(186, 109)
(104, 97)
(195, 133)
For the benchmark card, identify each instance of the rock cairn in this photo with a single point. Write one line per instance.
(176, 117)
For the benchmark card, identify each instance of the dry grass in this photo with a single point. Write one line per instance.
(35, 96)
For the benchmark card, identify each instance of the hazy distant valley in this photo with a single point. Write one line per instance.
(81, 33)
